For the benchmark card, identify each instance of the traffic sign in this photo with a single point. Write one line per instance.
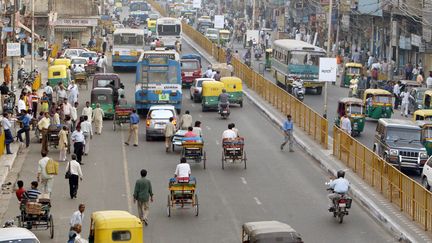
(13, 49)
(327, 69)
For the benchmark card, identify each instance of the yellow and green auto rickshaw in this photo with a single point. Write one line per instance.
(427, 98)
(115, 226)
(224, 37)
(56, 74)
(354, 108)
(422, 115)
(105, 98)
(62, 61)
(351, 69)
(426, 135)
(268, 56)
(210, 94)
(234, 89)
(378, 103)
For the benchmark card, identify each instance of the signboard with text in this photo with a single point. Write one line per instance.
(327, 69)
(76, 22)
(13, 49)
(219, 21)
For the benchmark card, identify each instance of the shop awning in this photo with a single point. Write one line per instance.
(71, 29)
(26, 29)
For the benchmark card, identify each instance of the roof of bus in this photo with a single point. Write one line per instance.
(168, 19)
(296, 45)
(129, 31)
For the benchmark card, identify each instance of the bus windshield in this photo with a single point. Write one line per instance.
(160, 74)
(305, 58)
(169, 29)
(128, 39)
(139, 7)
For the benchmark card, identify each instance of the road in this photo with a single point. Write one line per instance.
(277, 185)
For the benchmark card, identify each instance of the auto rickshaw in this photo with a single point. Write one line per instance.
(234, 88)
(378, 103)
(105, 97)
(268, 56)
(269, 231)
(427, 99)
(354, 108)
(56, 74)
(210, 94)
(351, 69)
(422, 115)
(426, 135)
(151, 25)
(62, 61)
(114, 226)
(212, 34)
(224, 37)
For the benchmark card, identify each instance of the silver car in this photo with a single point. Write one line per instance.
(157, 118)
(196, 89)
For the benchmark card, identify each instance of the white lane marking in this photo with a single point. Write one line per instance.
(199, 115)
(126, 175)
(257, 201)
(243, 180)
(208, 128)
(193, 105)
(217, 142)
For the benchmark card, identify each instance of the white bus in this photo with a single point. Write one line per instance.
(169, 30)
(127, 47)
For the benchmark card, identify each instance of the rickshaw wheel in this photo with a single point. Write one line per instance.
(169, 207)
(244, 159)
(223, 158)
(51, 226)
(196, 206)
(204, 159)
(241, 104)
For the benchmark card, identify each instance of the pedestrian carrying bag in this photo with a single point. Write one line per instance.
(51, 167)
(68, 173)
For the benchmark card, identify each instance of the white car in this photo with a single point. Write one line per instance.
(17, 235)
(78, 61)
(73, 52)
(157, 118)
(427, 174)
(196, 89)
(88, 54)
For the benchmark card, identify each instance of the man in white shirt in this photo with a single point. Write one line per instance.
(429, 80)
(405, 96)
(229, 133)
(77, 216)
(61, 94)
(78, 140)
(73, 93)
(396, 94)
(43, 178)
(78, 68)
(346, 124)
(74, 168)
(88, 111)
(102, 64)
(86, 128)
(183, 169)
(21, 104)
(74, 115)
(209, 73)
(49, 91)
(67, 108)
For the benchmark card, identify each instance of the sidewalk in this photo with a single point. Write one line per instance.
(383, 211)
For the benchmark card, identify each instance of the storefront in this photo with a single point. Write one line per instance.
(79, 30)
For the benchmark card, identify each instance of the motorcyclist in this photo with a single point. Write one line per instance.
(339, 187)
(354, 85)
(297, 85)
(247, 57)
(223, 99)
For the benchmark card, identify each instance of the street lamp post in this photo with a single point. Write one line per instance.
(329, 42)
(32, 36)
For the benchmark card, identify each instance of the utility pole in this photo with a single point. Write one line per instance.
(32, 36)
(329, 44)
(253, 14)
(13, 40)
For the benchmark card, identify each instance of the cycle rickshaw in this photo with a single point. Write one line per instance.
(36, 214)
(233, 151)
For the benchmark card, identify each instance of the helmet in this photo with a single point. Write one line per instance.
(223, 90)
(340, 174)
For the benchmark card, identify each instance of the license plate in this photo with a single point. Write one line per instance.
(224, 112)
(159, 126)
(342, 205)
(188, 74)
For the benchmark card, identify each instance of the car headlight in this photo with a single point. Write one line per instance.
(423, 155)
(394, 152)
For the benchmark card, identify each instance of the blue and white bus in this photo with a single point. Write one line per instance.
(139, 9)
(128, 47)
(158, 80)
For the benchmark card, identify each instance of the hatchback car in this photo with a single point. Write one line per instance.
(78, 61)
(196, 89)
(190, 70)
(16, 234)
(157, 118)
(88, 54)
(73, 52)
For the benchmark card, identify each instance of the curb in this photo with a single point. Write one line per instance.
(7, 162)
(395, 229)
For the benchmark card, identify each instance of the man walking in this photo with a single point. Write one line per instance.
(396, 94)
(185, 121)
(74, 168)
(88, 111)
(288, 127)
(45, 179)
(78, 216)
(169, 133)
(25, 119)
(133, 129)
(86, 128)
(143, 193)
(79, 142)
(98, 115)
(43, 126)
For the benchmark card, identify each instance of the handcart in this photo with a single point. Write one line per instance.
(233, 151)
(193, 149)
(182, 194)
(36, 214)
(53, 135)
(121, 115)
(81, 79)
(90, 70)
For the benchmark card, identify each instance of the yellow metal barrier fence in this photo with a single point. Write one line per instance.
(306, 118)
(408, 195)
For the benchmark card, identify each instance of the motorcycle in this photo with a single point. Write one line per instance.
(353, 87)
(224, 111)
(341, 204)
(298, 90)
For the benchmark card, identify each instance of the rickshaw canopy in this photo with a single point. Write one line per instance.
(101, 80)
(212, 88)
(115, 219)
(62, 61)
(351, 100)
(232, 84)
(422, 115)
(269, 50)
(269, 232)
(57, 71)
(375, 92)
